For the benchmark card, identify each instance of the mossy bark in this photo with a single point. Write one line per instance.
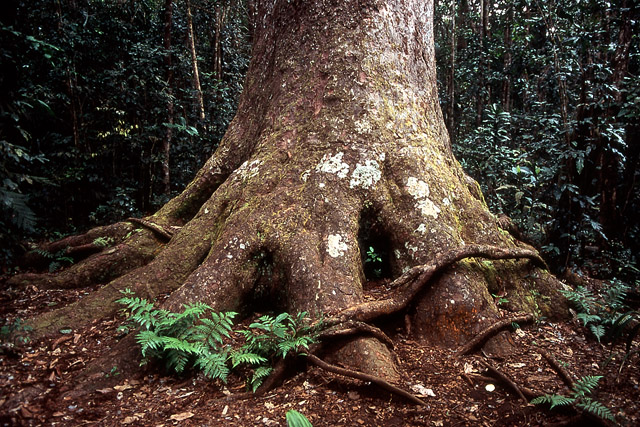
(338, 129)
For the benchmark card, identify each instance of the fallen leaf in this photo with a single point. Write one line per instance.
(122, 387)
(181, 416)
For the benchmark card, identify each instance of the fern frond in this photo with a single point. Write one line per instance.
(586, 385)
(211, 331)
(172, 343)
(598, 331)
(259, 376)
(588, 318)
(213, 365)
(582, 298)
(177, 360)
(238, 358)
(616, 294)
(596, 408)
(553, 400)
(148, 340)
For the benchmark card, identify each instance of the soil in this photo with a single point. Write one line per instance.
(36, 378)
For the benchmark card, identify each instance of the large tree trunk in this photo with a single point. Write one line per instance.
(338, 142)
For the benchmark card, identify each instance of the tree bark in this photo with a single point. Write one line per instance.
(338, 143)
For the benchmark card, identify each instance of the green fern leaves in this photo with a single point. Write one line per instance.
(579, 397)
(181, 339)
(196, 337)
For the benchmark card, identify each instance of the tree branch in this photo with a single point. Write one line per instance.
(564, 374)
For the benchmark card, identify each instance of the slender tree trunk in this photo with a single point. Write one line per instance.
(451, 90)
(199, 100)
(508, 45)
(221, 15)
(482, 67)
(168, 136)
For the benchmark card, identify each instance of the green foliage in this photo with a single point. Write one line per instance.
(579, 397)
(15, 332)
(181, 339)
(607, 315)
(196, 337)
(86, 86)
(58, 259)
(270, 337)
(544, 119)
(296, 419)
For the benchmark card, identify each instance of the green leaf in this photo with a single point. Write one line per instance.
(296, 419)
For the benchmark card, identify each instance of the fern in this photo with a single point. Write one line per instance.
(213, 365)
(553, 400)
(259, 376)
(582, 298)
(586, 385)
(596, 408)
(579, 398)
(243, 358)
(190, 338)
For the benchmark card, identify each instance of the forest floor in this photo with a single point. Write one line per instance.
(458, 390)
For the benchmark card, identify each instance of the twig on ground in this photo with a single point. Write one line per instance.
(490, 331)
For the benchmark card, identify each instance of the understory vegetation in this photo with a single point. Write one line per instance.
(192, 339)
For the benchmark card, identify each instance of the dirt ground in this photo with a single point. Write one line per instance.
(35, 379)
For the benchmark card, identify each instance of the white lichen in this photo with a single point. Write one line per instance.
(428, 208)
(333, 164)
(422, 228)
(417, 188)
(420, 191)
(335, 246)
(366, 175)
(249, 169)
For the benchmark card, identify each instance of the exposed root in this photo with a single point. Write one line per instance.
(162, 231)
(79, 245)
(352, 328)
(564, 374)
(364, 377)
(490, 331)
(410, 283)
(101, 267)
(505, 379)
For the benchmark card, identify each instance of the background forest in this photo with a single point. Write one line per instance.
(109, 107)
